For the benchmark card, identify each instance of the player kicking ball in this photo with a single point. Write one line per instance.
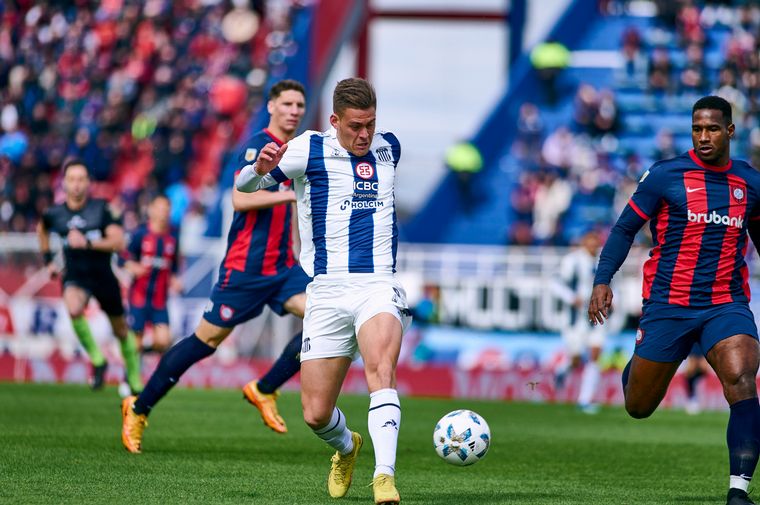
(344, 180)
(702, 205)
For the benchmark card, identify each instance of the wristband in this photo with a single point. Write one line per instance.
(48, 257)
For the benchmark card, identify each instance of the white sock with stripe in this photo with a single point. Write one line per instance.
(336, 434)
(384, 420)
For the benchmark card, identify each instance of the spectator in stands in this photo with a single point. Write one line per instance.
(530, 133)
(660, 70)
(553, 197)
(665, 147)
(125, 87)
(549, 59)
(465, 161)
(606, 116)
(727, 89)
(633, 72)
(692, 76)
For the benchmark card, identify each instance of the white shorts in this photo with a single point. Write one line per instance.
(337, 306)
(582, 336)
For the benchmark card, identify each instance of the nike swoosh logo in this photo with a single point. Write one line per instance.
(692, 190)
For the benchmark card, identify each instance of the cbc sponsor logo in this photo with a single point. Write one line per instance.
(368, 204)
(365, 170)
(366, 186)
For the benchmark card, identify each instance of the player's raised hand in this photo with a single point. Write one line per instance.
(599, 305)
(269, 157)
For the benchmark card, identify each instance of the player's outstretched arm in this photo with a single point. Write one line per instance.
(243, 202)
(256, 176)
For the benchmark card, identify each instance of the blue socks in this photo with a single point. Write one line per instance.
(173, 364)
(743, 438)
(286, 366)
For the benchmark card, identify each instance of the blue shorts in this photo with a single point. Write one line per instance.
(237, 302)
(138, 316)
(667, 332)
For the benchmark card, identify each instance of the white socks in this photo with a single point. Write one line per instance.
(336, 434)
(589, 383)
(384, 420)
(738, 483)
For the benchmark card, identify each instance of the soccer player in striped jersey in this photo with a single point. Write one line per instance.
(344, 180)
(702, 205)
(258, 269)
(152, 257)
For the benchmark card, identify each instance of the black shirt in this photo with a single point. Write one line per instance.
(92, 219)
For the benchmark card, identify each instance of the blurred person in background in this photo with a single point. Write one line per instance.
(549, 59)
(258, 269)
(695, 368)
(90, 235)
(152, 258)
(581, 339)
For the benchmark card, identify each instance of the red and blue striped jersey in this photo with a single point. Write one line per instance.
(699, 216)
(259, 242)
(159, 253)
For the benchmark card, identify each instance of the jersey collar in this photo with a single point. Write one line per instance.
(272, 135)
(702, 164)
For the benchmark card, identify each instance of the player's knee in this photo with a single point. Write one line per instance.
(316, 418)
(740, 384)
(638, 410)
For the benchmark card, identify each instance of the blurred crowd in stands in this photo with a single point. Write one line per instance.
(583, 172)
(151, 94)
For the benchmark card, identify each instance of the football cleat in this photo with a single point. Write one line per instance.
(97, 380)
(267, 405)
(132, 426)
(384, 488)
(342, 469)
(738, 497)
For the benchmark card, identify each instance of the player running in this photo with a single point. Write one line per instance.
(152, 257)
(90, 236)
(344, 180)
(258, 269)
(575, 280)
(701, 206)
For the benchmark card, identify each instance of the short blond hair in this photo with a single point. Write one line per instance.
(353, 93)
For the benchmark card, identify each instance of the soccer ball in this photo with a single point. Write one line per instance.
(462, 437)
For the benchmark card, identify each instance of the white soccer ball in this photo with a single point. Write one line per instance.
(462, 437)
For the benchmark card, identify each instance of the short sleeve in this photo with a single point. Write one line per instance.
(46, 220)
(108, 216)
(296, 158)
(647, 199)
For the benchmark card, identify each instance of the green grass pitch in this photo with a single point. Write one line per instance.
(61, 444)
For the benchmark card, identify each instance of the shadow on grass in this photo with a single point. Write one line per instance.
(481, 497)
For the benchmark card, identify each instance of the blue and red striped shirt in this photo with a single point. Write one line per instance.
(259, 242)
(699, 217)
(159, 252)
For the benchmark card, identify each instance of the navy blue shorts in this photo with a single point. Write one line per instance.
(667, 332)
(138, 316)
(237, 302)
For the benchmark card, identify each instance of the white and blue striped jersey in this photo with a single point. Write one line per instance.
(346, 203)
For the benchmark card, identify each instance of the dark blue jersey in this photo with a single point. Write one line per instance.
(699, 217)
(259, 242)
